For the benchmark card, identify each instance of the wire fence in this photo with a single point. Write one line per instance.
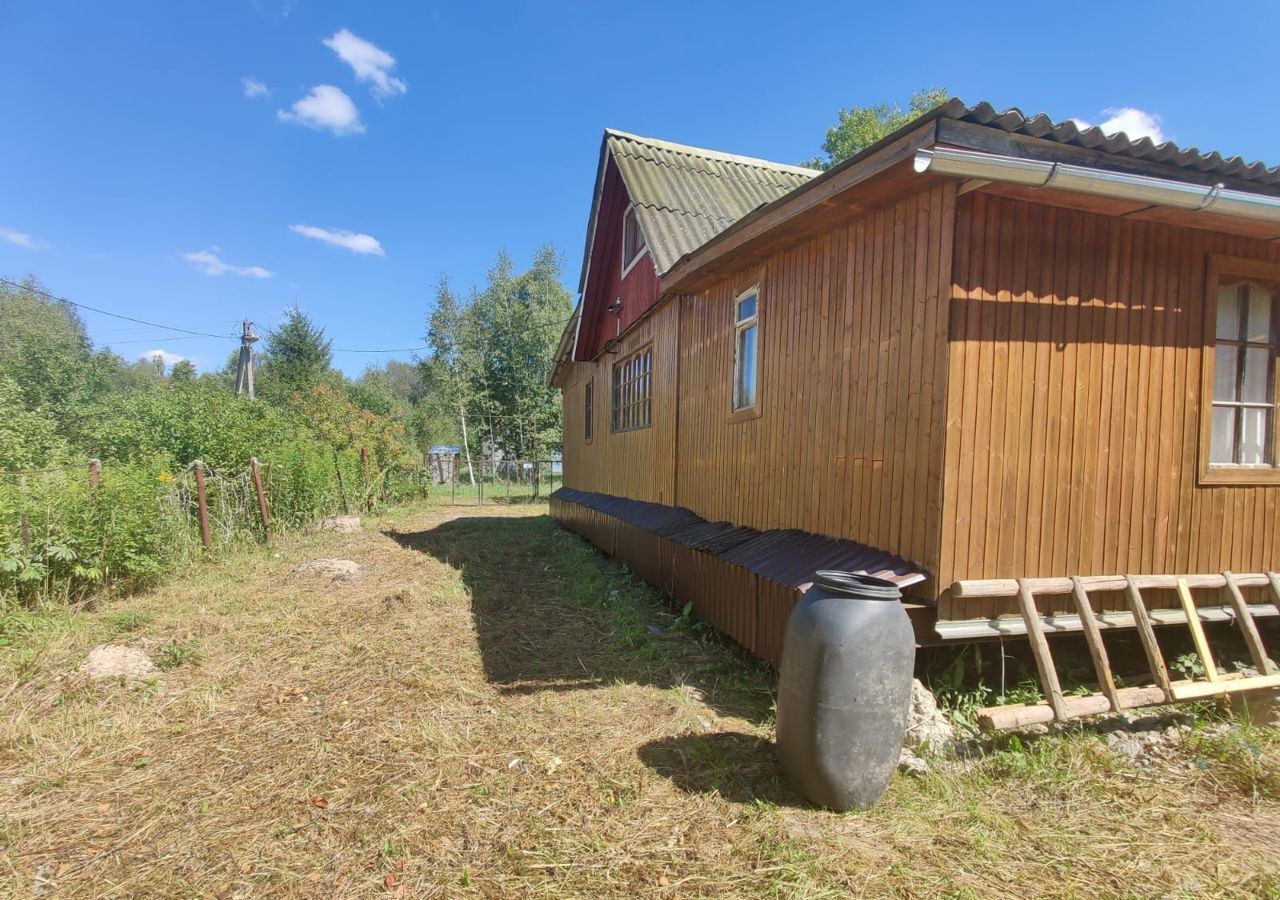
(72, 531)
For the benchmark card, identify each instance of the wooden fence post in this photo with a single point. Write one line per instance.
(364, 478)
(262, 498)
(95, 474)
(342, 484)
(203, 505)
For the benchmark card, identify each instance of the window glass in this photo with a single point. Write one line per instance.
(1259, 324)
(746, 308)
(1242, 417)
(1257, 369)
(1253, 436)
(1229, 311)
(1223, 440)
(632, 238)
(1226, 366)
(633, 386)
(747, 370)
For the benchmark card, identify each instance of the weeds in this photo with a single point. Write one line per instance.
(173, 655)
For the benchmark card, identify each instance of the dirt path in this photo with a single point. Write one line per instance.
(494, 710)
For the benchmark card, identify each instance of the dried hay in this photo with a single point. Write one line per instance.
(485, 714)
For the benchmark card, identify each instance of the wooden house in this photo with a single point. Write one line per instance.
(984, 356)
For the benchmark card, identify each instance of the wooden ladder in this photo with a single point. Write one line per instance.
(1111, 698)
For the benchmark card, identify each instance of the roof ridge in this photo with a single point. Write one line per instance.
(729, 175)
(691, 150)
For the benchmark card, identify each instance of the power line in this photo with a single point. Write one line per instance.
(206, 334)
(43, 293)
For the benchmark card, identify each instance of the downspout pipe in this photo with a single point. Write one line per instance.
(1115, 185)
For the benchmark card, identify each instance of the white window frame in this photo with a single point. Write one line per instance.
(1221, 269)
(739, 326)
(631, 392)
(644, 242)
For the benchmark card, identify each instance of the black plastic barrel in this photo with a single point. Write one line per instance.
(844, 689)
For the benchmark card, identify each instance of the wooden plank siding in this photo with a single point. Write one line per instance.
(639, 464)
(1074, 400)
(849, 437)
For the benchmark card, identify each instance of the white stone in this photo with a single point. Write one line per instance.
(332, 569)
(927, 726)
(340, 524)
(119, 661)
(910, 764)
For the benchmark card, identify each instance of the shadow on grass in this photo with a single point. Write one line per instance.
(552, 614)
(739, 767)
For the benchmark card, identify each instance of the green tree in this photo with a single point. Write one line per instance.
(297, 355)
(183, 370)
(451, 365)
(861, 126)
(46, 351)
(517, 320)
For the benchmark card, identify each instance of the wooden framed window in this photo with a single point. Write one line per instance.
(633, 243)
(633, 391)
(588, 408)
(746, 349)
(1238, 431)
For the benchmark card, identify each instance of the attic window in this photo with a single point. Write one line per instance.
(633, 245)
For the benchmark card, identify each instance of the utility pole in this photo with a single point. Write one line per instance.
(244, 370)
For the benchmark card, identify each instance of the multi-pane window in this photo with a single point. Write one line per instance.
(746, 355)
(633, 391)
(588, 408)
(1242, 423)
(632, 239)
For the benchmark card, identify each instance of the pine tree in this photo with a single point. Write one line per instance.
(297, 352)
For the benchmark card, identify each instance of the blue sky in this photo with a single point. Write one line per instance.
(390, 143)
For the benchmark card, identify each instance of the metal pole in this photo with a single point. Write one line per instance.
(262, 498)
(203, 506)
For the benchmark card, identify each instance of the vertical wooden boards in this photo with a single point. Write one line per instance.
(1073, 404)
(638, 464)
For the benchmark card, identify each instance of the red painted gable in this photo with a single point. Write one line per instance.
(605, 284)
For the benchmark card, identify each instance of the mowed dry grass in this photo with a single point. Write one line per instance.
(487, 713)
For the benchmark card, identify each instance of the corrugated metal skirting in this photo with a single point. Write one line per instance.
(743, 581)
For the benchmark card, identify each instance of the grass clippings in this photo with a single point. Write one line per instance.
(496, 710)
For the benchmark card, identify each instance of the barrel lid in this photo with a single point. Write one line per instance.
(851, 584)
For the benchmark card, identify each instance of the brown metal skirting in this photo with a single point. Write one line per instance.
(746, 595)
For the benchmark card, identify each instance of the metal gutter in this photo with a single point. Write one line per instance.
(1143, 189)
(1014, 626)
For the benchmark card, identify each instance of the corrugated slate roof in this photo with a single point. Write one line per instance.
(1015, 121)
(685, 196)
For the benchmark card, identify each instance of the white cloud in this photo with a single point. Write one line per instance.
(326, 107)
(25, 241)
(351, 240)
(164, 355)
(369, 62)
(254, 88)
(1135, 123)
(208, 262)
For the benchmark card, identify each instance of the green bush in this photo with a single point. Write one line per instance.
(60, 538)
